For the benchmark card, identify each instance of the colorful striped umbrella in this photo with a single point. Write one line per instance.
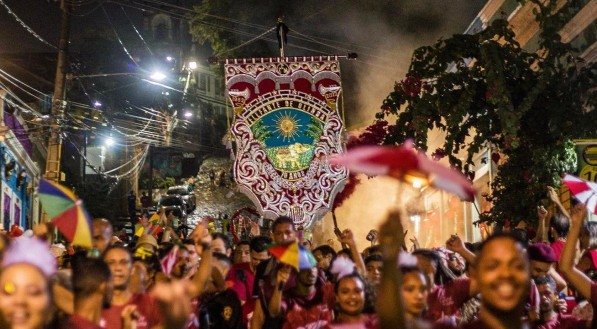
(294, 255)
(66, 212)
(584, 191)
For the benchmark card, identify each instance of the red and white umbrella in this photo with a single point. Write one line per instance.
(406, 164)
(584, 191)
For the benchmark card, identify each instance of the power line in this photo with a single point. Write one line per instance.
(26, 27)
(118, 36)
(137, 31)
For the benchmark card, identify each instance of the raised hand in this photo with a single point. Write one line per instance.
(347, 237)
(553, 194)
(578, 214)
(283, 275)
(391, 234)
(174, 302)
(201, 236)
(455, 244)
(541, 213)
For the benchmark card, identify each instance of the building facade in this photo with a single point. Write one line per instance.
(19, 173)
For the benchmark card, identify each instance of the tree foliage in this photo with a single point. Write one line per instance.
(213, 24)
(484, 90)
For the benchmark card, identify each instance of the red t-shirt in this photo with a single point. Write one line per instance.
(308, 311)
(558, 247)
(146, 306)
(561, 321)
(241, 279)
(445, 300)
(76, 322)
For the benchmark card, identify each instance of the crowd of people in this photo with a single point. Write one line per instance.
(166, 279)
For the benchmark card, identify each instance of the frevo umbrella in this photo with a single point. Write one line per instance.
(294, 255)
(584, 191)
(406, 164)
(66, 212)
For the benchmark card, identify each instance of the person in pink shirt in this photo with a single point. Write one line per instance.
(558, 229)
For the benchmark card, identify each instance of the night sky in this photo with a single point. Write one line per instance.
(383, 32)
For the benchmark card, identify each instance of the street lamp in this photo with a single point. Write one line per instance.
(109, 141)
(157, 76)
(192, 65)
(188, 114)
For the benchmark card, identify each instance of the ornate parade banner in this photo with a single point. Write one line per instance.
(286, 123)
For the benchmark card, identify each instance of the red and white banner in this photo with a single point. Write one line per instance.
(286, 123)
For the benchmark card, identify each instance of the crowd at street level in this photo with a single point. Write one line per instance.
(203, 281)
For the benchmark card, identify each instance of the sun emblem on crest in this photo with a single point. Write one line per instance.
(287, 126)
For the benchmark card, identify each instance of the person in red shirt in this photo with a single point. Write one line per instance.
(242, 252)
(501, 273)
(120, 262)
(308, 304)
(241, 276)
(550, 318)
(283, 231)
(542, 259)
(92, 292)
(446, 294)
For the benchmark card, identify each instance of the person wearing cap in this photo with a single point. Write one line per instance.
(25, 296)
(148, 242)
(542, 259)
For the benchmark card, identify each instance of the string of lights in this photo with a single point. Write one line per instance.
(26, 27)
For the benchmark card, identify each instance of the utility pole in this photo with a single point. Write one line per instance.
(58, 103)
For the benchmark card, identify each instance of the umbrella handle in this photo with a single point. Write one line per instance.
(337, 229)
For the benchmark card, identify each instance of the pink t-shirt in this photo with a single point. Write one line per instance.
(445, 300)
(146, 306)
(558, 247)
